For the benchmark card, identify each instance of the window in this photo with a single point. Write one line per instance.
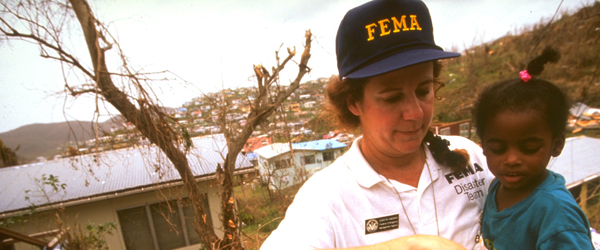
(280, 164)
(163, 225)
(445, 131)
(307, 159)
(328, 156)
(464, 129)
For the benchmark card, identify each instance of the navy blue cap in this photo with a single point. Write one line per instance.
(385, 35)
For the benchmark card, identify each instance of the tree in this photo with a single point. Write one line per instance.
(43, 22)
(8, 157)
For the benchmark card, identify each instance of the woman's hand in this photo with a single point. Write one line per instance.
(414, 242)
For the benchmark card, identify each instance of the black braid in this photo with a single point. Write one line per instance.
(443, 155)
(536, 66)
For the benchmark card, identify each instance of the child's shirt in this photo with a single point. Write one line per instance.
(549, 218)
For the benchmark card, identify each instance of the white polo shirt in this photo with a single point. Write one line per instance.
(348, 204)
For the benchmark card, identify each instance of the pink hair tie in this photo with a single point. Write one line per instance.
(525, 76)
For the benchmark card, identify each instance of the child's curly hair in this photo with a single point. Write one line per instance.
(521, 94)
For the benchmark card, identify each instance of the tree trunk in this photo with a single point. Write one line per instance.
(156, 129)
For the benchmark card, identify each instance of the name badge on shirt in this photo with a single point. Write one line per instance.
(381, 224)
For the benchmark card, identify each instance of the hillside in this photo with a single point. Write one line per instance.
(46, 139)
(576, 36)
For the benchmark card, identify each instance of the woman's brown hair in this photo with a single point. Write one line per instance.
(340, 92)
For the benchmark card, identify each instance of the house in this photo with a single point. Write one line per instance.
(295, 107)
(253, 144)
(583, 118)
(309, 105)
(578, 162)
(197, 113)
(282, 167)
(462, 128)
(136, 188)
(307, 96)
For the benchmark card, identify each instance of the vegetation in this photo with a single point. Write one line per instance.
(261, 212)
(48, 23)
(578, 72)
(576, 36)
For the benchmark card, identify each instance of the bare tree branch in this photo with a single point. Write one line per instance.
(135, 100)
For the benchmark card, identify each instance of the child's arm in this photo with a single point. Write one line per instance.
(568, 240)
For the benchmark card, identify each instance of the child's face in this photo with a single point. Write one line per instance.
(518, 146)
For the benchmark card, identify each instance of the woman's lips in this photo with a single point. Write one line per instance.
(409, 133)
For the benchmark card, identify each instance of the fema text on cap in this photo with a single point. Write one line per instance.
(385, 30)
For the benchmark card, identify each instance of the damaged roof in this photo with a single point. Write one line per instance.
(110, 172)
(578, 161)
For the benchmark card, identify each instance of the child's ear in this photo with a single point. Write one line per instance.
(558, 144)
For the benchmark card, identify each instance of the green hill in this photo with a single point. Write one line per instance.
(576, 36)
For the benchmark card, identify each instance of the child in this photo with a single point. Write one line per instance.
(521, 123)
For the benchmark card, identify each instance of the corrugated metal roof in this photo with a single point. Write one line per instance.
(579, 160)
(251, 156)
(276, 149)
(106, 173)
(319, 144)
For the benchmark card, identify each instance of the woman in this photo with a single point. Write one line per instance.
(398, 179)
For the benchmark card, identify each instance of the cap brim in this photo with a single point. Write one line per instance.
(401, 60)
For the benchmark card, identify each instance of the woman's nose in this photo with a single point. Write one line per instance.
(411, 109)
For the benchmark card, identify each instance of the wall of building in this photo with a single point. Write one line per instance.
(298, 172)
(105, 210)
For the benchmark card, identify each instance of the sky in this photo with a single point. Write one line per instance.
(209, 45)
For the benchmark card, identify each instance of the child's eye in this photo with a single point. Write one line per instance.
(497, 149)
(530, 149)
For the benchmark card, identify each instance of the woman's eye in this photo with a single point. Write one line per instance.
(393, 99)
(423, 92)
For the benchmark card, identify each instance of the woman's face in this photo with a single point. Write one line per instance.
(396, 110)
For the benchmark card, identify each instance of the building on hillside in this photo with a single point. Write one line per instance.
(282, 167)
(255, 143)
(583, 117)
(136, 188)
(252, 144)
(309, 105)
(197, 113)
(462, 128)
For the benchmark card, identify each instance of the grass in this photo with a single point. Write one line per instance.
(261, 210)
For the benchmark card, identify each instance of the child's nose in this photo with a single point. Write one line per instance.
(512, 157)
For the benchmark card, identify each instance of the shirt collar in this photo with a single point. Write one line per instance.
(367, 177)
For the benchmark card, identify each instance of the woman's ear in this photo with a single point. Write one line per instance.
(353, 106)
(558, 144)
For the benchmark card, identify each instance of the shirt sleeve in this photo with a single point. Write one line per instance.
(306, 224)
(564, 225)
(566, 240)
